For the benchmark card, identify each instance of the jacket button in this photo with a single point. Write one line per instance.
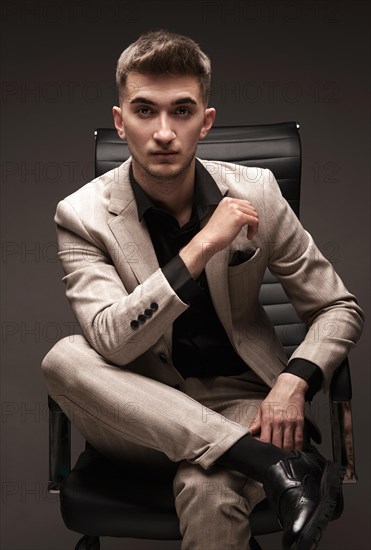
(134, 324)
(141, 318)
(163, 357)
(148, 313)
(154, 306)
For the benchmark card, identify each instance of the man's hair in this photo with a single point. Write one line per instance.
(164, 52)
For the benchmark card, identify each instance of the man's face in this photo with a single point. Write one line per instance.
(162, 119)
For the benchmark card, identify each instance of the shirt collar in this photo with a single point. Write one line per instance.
(207, 193)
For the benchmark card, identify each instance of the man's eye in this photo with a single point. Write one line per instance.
(183, 111)
(143, 111)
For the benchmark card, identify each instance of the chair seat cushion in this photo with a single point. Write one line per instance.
(103, 498)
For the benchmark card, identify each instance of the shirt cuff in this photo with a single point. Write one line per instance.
(180, 279)
(310, 372)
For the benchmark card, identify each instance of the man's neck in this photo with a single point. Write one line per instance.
(175, 196)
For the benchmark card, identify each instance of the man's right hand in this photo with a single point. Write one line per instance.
(230, 216)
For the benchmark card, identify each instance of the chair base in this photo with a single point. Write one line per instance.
(254, 545)
(88, 543)
(93, 543)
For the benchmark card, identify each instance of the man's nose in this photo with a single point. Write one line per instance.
(164, 133)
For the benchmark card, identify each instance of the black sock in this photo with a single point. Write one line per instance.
(252, 457)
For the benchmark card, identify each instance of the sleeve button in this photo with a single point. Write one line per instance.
(148, 313)
(154, 306)
(134, 324)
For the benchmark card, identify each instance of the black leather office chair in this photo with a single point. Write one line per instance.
(99, 498)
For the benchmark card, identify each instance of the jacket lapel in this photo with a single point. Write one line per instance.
(131, 234)
(216, 268)
(216, 274)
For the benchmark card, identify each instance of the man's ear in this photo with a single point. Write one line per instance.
(119, 123)
(209, 117)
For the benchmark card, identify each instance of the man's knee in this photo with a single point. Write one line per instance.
(65, 351)
(66, 369)
(65, 364)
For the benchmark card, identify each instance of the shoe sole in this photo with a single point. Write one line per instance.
(311, 534)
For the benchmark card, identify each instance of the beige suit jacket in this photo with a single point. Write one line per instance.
(112, 275)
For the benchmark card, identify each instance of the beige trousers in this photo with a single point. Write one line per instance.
(127, 416)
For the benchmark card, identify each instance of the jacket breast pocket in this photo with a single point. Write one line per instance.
(244, 282)
(241, 260)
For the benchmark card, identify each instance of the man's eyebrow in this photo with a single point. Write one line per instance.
(142, 100)
(181, 101)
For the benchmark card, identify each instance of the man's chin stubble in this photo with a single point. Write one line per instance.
(163, 178)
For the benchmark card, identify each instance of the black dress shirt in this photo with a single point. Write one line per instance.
(201, 346)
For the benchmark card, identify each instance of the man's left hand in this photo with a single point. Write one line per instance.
(280, 419)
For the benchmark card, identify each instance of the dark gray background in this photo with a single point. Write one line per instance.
(272, 61)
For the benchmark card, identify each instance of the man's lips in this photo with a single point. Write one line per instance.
(164, 153)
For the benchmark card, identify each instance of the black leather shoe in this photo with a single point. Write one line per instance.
(304, 490)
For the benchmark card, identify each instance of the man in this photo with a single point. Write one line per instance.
(163, 259)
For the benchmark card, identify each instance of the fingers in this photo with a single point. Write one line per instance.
(266, 432)
(229, 218)
(266, 425)
(288, 437)
(241, 206)
(252, 229)
(252, 219)
(280, 430)
(255, 424)
(247, 208)
(299, 437)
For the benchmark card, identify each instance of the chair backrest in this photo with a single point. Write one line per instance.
(273, 146)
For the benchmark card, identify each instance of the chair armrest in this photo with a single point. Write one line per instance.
(59, 446)
(341, 421)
